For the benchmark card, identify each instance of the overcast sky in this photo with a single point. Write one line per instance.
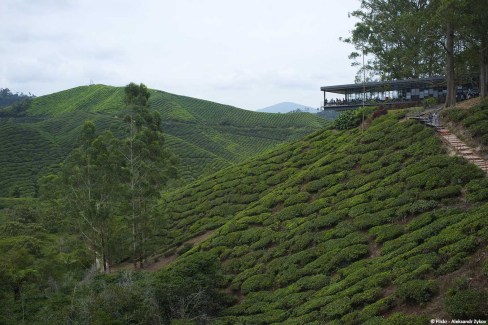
(250, 54)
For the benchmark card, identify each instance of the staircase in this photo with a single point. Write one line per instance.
(452, 140)
(462, 149)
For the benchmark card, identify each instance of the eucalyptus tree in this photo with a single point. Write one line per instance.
(148, 165)
(91, 184)
(421, 38)
(451, 16)
(396, 36)
(478, 38)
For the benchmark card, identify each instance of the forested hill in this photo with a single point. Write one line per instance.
(205, 135)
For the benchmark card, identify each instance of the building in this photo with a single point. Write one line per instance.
(392, 92)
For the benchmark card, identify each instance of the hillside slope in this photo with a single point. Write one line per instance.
(352, 227)
(206, 136)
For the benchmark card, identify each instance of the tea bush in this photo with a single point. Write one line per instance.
(467, 304)
(416, 292)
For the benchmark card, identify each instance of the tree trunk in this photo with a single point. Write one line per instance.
(483, 72)
(132, 190)
(486, 79)
(104, 256)
(16, 288)
(450, 76)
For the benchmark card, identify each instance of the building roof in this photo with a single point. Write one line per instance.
(386, 85)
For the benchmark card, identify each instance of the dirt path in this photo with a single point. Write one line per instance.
(157, 262)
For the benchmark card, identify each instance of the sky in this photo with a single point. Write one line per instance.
(250, 54)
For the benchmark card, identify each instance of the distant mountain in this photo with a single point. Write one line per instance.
(287, 107)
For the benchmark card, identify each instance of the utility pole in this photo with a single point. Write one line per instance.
(364, 90)
(364, 79)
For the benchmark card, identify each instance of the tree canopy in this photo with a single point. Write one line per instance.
(405, 39)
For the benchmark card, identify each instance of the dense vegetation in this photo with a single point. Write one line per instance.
(369, 221)
(357, 226)
(7, 98)
(473, 120)
(206, 136)
(414, 39)
(297, 234)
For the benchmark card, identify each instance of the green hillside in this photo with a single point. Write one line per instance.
(206, 136)
(366, 226)
(352, 227)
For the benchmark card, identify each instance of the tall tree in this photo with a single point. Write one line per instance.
(90, 176)
(396, 36)
(479, 40)
(148, 165)
(422, 38)
(453, 17)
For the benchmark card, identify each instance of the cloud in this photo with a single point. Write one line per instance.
(250, 54)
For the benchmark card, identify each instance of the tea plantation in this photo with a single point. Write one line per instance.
(378, 226)
(373, 225)
(206, 136)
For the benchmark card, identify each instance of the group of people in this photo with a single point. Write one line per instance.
(336, 101)
(460, 96)
(376, 100)
(434, 119)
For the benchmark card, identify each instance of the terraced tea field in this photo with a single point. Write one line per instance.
(345, 227)
(206, 136)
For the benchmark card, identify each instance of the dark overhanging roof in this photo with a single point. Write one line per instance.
(387, 85)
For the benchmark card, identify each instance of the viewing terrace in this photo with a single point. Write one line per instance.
(407, 92)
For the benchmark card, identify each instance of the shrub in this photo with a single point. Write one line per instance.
(429, 102)
(313, 282)
(421, 206)
(441, 193)
(464, 245)
(337, 308)
(453, 263)
(185, 248)
(416, 292)
(479, 129)
(366, 296)
(455, 114)
(257, 282)
(386, 232)
(301, 197)
(367, 220)
(477, 190)
(467, 304)
(346, 120)
(195, 279)
(375, 308)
